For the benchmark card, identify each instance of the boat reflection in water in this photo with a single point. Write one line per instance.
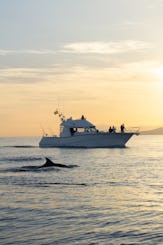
(82, 133)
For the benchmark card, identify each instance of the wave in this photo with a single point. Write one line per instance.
(28, 169)
(34, 169)
(21, 159)
(47, 184)
(20, 146)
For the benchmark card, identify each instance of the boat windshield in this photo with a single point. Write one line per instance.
(84, 130)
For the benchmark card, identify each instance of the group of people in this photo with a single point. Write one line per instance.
(113, 129)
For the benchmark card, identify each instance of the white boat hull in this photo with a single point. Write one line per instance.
(98, 140)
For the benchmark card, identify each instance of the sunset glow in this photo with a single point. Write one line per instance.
(100, 58)
(159, 72)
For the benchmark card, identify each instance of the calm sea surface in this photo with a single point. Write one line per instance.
(109, 196)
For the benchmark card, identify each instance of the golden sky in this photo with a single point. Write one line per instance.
(100, 58)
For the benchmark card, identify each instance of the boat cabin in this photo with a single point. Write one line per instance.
(76, 127)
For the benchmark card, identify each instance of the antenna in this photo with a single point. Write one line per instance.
(61, 116)
(43, 131)
(61, 105)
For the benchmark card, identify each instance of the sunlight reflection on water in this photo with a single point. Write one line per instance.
(115, 196)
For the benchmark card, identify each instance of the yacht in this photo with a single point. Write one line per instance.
(83, 134)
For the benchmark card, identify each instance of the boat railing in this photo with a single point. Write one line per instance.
(135, 130)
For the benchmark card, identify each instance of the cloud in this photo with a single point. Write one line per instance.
(84, 48)
(34, 75)
(4, 52)
(128, 72)
(105, 47)
(21, 75)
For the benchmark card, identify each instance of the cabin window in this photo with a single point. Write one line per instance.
(81, 130)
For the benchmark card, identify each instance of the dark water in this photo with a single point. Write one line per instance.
(114, 196)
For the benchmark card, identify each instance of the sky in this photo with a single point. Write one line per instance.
(100, 58)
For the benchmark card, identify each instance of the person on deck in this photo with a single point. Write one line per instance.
(122, 127)
(113, 129)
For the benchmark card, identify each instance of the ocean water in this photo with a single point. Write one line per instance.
(109, 196)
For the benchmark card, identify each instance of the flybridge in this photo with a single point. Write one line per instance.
(78, 123)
